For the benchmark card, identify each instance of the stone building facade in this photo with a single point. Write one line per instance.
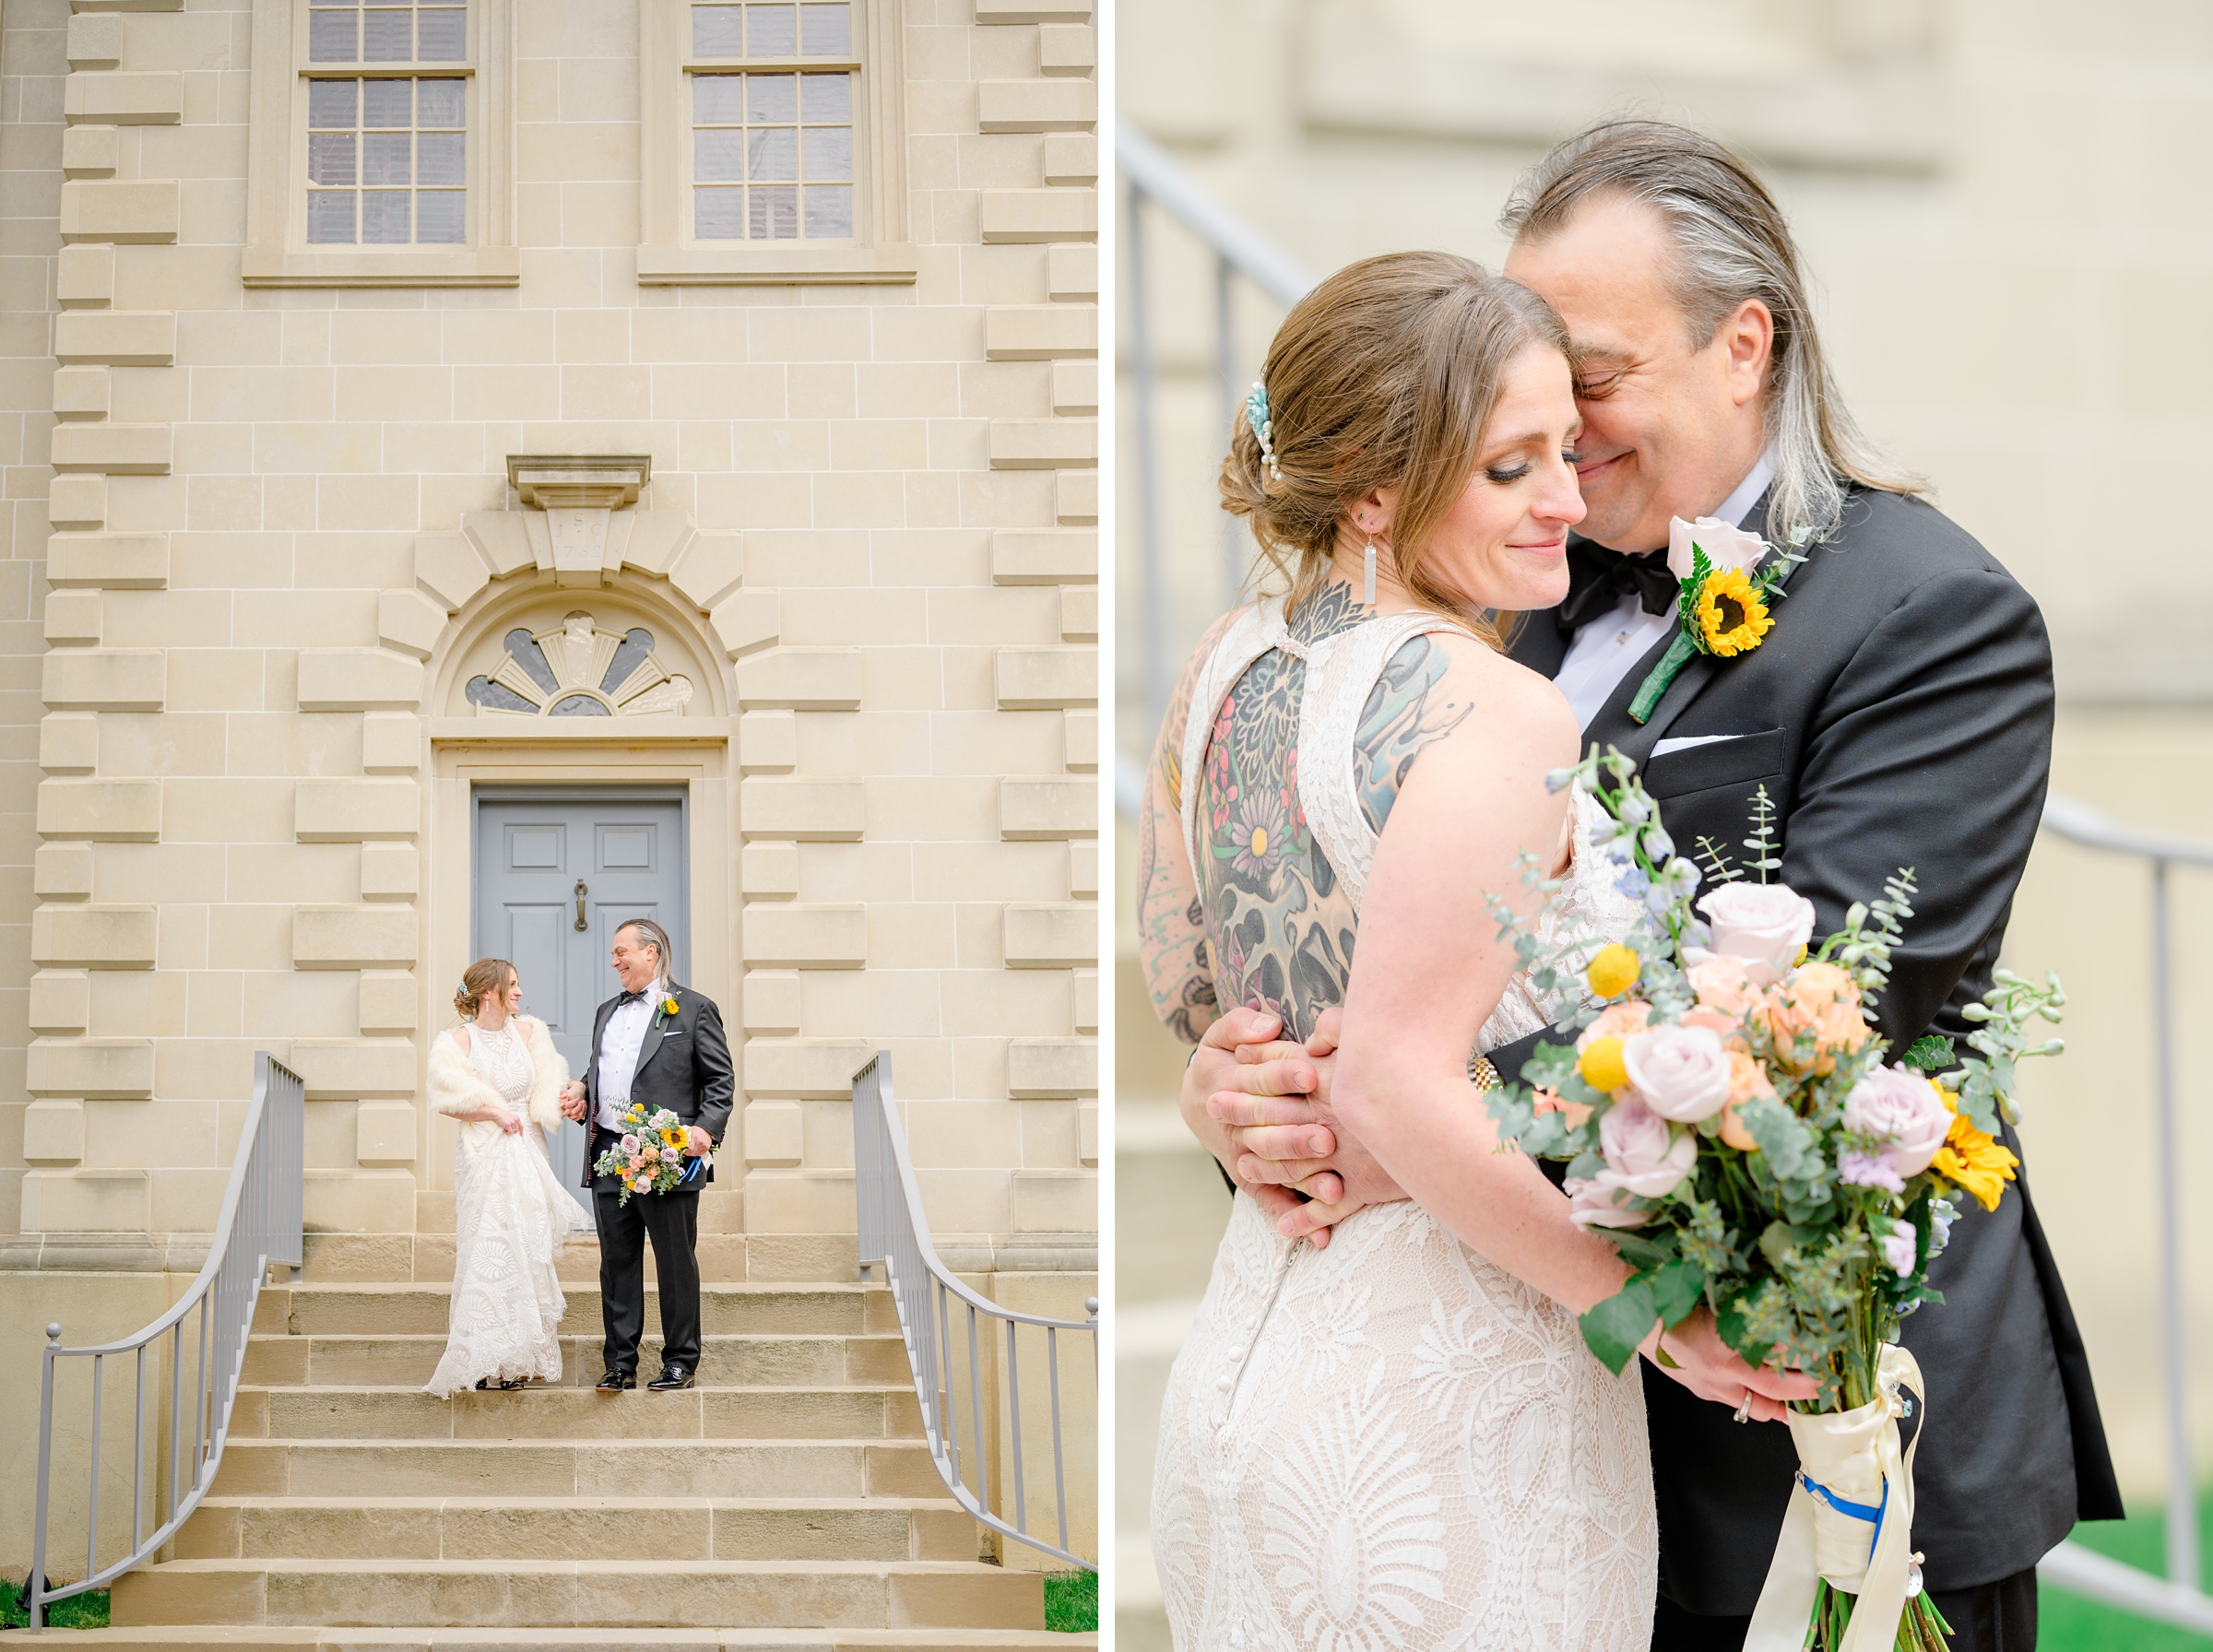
(458, 454)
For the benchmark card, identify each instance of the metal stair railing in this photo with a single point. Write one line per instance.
(932, 1304)
(257, 1230)
(1154, 178)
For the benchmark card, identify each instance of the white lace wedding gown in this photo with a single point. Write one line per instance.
(512, 1217)
(1391, 1443)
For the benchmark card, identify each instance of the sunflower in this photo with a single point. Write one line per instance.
(1730, 615)
(1979, 1163)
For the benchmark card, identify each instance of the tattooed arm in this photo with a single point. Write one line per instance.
(1171, 935)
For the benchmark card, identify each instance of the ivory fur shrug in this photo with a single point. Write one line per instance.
(455, 1089)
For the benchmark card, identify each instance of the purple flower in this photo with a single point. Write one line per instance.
(1898, 1248)
(1867, 1170)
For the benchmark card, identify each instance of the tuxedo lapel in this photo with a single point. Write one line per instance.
(652, 1046)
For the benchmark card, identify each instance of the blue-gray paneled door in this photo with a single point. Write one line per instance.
(557, 871)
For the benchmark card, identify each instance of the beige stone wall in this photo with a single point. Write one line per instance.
(256, 531)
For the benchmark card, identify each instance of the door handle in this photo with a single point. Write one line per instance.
(582, 922)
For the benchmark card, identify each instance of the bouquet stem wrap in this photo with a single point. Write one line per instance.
(1855, 1458)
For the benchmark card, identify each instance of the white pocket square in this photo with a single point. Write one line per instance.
(1685, 742)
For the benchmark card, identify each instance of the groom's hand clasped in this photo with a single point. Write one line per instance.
(572, 1100)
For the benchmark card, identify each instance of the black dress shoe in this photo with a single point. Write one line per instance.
(671, 1376)
(614, 1382)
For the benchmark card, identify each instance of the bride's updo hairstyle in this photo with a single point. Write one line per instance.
(1384, 374)
(488, 977)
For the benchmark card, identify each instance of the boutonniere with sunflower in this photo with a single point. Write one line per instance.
(1723, 605)
(665, 1010)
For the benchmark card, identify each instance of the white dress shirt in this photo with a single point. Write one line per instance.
(1607, 644)
(620, 1041)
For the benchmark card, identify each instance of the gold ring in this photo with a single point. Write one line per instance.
(1744, 1408)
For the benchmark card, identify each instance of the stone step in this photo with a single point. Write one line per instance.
(644, 1466)
(362, 1309)
(499, 1529)
(581, 1594)
(263, 1638)
(564, 1413)
(776, 1359)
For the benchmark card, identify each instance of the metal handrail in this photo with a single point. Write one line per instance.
(258, 1229)
(894, 1234)
(1240, 248)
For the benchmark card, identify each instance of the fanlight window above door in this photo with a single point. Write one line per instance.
(579, 670)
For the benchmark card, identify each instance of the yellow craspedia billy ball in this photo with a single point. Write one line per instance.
(1614, 970)
(1602, 1065)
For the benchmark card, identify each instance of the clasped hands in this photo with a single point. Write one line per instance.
(1261, 1102)
(697, 1142)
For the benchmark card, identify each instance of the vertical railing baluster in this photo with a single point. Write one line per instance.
(1022, 1522)
(92, 1497)
(34, 1591)
(1226, 373)
(138, 1451)
(1052, 1371)
(1159, 662)
(953, 1414)
(2181, 1479)
(176, 1414)
(975, 1406)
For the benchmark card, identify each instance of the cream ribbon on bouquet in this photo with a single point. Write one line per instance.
(1854, 1526)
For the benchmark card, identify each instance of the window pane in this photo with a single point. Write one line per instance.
(826, 97)
(441, 36)
(715, 32)
(330, 161)
(331, 36)
(718, 99)
(384, 218)
(438, 104)
(774, 213)
(718, 156)
(829, 212)
(718, 214)
(332, 102)
(386, 102)
(384, 158)
(438, 158)
(769, 31)
(771, 153)
(329, 218)
(770, 98)
(826, 31)
(829, 155)
(385, 37)
(439, 216)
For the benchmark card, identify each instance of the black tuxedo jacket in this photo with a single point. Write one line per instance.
(684, 1065)
(1899, 714)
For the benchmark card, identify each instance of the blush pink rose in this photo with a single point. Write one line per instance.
(1722, 984)
(1904, 1114)
(1616, 1020)
(1643, 1154)
(1765, 925)
(1591, 1205)
(1726, 545)
(1682, 1073)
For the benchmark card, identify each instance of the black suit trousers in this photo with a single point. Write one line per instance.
(1991, 1617)
(672, 1222)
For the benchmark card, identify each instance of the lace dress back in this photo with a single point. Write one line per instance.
(511, 1219)
(1391, 1441)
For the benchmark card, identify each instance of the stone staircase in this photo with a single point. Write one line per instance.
(786, 1502)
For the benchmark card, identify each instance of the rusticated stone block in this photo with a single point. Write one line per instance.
(1072, 274)
(822, 680)
(1045, 105)
(1036, 678)
(709, 569)
(769, 871)
(1045, 557)
(116, 338)
(119, 1069)
(1076, 498)
(103, 810)
(1032, 11)
(353, 938)
(774, 1132)
(390, 872)
(1084, 999)
(1084, 869)
(813, 811)
(53, 1132)
(91, 151)
(84, 276)
(1031, 809)
(1044, 444)
(63, 872)
(1041, 1068)
(112, 449)
(409, 622)
(81, 392)
(95, 937)
(134, 98)
(69, 742)
(352, 680)
(745, 620)
(135, 211)
(768, 741)
(94, 41)
(389, 1001)
(61, 1001)
(121, 680)
(1071, 158)
(447, 566)
(350, 1069)
(804, 1068)
(1031, 215)
(1038, 332)
(391, 741)
(806, 936)
(383, 1132)
(346, 811)
(1079, 613)
(1052, 935)
(111, 561)
(87, 1201)
(771, 1001)
(1067, 48)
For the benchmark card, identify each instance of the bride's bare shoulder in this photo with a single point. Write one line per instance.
(1509, 703)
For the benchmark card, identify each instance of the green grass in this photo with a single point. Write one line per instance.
(79, 1611)
(2069, 1624)
(1071, 1601)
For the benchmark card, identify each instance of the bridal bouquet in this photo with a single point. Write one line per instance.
(649, 1157)
(1731, 1120)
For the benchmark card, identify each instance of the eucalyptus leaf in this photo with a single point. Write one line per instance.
(1616, 1326)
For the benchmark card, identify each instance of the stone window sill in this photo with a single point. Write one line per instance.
(409, 266)
(756, 267)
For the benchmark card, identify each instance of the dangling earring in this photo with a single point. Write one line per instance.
(1367, 571)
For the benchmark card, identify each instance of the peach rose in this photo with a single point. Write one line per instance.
(1550, 1101)
(1616, 1021)
(1722, 983)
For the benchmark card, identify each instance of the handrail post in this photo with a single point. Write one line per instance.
(2182, 1476)
(34, 1591)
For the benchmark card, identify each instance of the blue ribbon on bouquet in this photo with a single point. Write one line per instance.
(1872, 1512)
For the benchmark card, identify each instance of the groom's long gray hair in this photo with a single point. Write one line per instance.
(657, 938)
(1732, 243)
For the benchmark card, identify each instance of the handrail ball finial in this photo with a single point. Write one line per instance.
(53, 1333)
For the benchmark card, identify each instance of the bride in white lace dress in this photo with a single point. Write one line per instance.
(499, 1075)
(1389, 1434)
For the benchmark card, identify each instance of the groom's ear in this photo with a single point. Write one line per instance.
(1747, 337)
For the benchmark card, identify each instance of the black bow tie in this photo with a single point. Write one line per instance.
(634, 997)
(1598, 578)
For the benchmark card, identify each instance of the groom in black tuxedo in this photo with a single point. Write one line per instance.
(1898, 714)
(645, 1051)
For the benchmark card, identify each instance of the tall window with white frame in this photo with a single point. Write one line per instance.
(773, 98)
(387, 122)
